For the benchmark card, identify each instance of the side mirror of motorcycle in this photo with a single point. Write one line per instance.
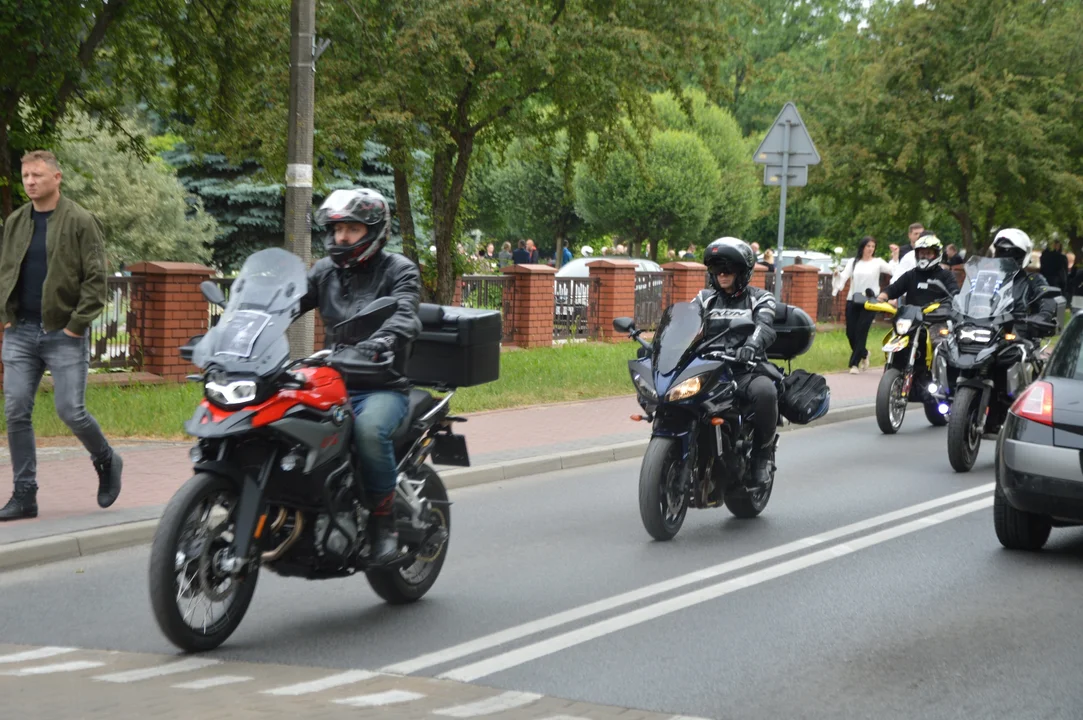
(362, 324)
(188, 348)
(624, 324)
(213, 293)
(1049, 292)
(741, 323)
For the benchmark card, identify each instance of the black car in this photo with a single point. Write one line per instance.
(1039, 464)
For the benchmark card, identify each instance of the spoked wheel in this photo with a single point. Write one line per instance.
(197, 599)
(890, 401)
(663, 502)
(403, 584)
(964, 429)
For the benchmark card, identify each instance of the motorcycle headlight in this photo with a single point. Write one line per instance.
(687, 389)
(902, 327)
(643, 385)
(238, 392)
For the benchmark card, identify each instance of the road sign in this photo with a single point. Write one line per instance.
(800, 149)
(787, 151)
(796, 177)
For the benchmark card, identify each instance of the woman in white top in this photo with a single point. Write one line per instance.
(863, 271)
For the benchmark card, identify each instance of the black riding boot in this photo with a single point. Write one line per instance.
(23, 504)
(385, 541)
(763, 460)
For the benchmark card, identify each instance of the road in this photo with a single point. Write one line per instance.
(872, 587)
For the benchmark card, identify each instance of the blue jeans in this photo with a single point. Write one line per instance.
(377, 413)
(28, 352)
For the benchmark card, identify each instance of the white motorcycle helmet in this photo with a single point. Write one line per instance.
(1013, 243)
(929, 242)
(587, 251)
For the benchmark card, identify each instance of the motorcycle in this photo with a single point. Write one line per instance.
(700, 451)
(905, 380)
(983, 363)
(276, 481)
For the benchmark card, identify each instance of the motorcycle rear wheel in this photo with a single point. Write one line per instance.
(964, 429)
(188, 535)
(660, 490)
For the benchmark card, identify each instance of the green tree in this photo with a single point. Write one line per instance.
(955, 107)
(448, 75)
(101, 56)
(670, 197)
(142, 205)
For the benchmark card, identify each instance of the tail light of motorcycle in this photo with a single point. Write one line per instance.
(1036, 403)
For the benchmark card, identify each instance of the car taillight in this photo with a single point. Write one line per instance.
(1036, 403)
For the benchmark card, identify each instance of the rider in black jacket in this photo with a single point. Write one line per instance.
(355, 272)
(1017, 245)
(928, 282)
(729, 264)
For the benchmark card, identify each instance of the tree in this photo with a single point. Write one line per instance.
(448, 75)
(101, 56)
(670, 198)
(142, 205)
(955, 106)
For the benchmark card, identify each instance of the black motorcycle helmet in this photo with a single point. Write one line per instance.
(358, 205)
(729, 254)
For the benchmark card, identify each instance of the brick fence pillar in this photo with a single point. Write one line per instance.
(533, 298)
(759, 277)
(172, 310)
(616, 288)
(682, 282)
(804, 288)
(317, 331)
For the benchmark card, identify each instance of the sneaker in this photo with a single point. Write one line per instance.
(109, 471)
(864, 364)
(23, 504)
(854, 370)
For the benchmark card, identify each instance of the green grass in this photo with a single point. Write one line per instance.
(575, 371)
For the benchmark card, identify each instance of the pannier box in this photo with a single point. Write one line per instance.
(458, 347)
(795, 330)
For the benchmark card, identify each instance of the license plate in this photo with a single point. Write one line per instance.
(448, 449)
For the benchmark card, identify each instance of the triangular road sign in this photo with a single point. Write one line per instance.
(802, 151)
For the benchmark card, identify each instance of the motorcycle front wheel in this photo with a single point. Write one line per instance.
(964, 429)
(663, 503)
(890, 402)
(197, 600)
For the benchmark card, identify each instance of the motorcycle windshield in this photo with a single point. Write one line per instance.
(263, 301)
(681, 325)
(987, 290)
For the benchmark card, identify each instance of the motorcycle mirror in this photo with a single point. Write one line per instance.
(362, 324)
(1049, 292)
(869, 293)
(188, 348)
(212, 291)
(624, 324)
(741, 323)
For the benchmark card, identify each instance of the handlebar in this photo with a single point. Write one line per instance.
(719, 355)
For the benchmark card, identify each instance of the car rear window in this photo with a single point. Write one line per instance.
(1065, 362)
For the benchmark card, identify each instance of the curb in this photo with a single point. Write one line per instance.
(67, 546)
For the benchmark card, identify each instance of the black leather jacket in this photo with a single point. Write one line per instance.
(922, 287)
(756, 302)
(1025, 288)
(340, 293)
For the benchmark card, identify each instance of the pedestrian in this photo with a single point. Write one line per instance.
(50, 300)
(768, 260)
(952, 256)
(1053, 265)
(863, 271)
(532, 249)
(504, 257)
(521, 256)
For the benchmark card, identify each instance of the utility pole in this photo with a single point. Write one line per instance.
(299, 154)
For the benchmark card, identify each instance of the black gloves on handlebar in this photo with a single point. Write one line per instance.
(376, 347)
(746, 354)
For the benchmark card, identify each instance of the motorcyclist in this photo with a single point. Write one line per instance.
(927, 282)
(355, 272)
(1017, 245)
(730, 262)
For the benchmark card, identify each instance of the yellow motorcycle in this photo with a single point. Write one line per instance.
(908, 377)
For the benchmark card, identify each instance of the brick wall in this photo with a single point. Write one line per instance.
(616, 298)
(531, 313)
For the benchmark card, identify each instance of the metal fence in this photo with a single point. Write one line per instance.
(490, 292)
(570, 307)
(648, 299)
(116, 336)
(826, 305)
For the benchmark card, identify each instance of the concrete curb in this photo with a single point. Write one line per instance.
(88, 542)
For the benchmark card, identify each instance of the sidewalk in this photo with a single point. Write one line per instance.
(154, 471)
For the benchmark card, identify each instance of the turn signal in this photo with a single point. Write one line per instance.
(944, 331)
(717, 421)
(1009, 336)
(637, 418)
(1036, 403)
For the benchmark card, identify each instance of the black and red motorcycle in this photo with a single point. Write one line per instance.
(277, 482)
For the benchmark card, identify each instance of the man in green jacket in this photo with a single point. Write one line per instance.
(52, 287)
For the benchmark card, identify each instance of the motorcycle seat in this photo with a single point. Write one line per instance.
(420, 402)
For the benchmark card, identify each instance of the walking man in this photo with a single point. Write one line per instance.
(52, 287)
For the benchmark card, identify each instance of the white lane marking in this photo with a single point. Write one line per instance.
(181, 666)
(540, 649)
(569, 717)
(39, 654)
(390, 697)
(213, 682)
(72, 666)
(490, 706)
(331, 681)
(502, 637)
(686, 717)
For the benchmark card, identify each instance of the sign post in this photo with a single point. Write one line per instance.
(786, 153)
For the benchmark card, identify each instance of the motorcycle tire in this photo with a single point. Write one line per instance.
(404, 584)
(165, 575)
(747, 504)
(886, 417)
(963, 441)
(661, 468)
(932, 414)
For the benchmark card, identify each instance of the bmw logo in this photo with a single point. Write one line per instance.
(338, 415)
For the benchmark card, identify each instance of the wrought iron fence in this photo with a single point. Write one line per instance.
(648, 299)
(570, 307)
(484, 291)
(826, 305)
(116, 336)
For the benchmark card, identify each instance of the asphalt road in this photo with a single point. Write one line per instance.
(873, 586)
